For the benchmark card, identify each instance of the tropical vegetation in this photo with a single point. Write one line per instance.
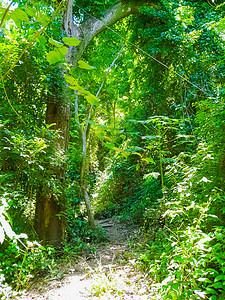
(114, 109)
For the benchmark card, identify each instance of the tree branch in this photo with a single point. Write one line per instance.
(5, 13)
(93, 26)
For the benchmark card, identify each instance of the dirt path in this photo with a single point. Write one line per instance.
(102, 275)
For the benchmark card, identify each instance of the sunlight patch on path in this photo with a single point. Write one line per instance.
(73, 289)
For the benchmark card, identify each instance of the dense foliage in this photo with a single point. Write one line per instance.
(148, 148)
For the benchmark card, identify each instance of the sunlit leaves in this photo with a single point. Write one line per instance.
(83, 65)
(80, 90)
(110, 145)
(53, 57)
(17, 15)
(185, 14)
(60, 50)
(42, 40)
(91, 99)
(63, 50)
(148, 160)
(58, 54)
(71, 41)
(71, 80)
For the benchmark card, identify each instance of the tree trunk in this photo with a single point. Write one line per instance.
(48, 224)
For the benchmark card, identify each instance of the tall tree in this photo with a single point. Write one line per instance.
(49, 226)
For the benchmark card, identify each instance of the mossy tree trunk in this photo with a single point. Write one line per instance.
(49, 225)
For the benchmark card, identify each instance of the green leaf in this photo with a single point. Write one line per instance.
(220, 277)
(42, 40)
(53, 57)
(211, 291)
(217, 285)
(110, 145)
(83, 65)
(149, 160)
(136, 153)
(91, 98)
(90, 122)
(31, 11)
(55, 43)
(70, 79)
(20, 15)
(74, 85)
(71, 41)
(63, 50)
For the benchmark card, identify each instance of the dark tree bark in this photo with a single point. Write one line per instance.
(49, 227)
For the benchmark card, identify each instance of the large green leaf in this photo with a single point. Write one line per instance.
(31, 11)
(71, 80)
(71, 41)
(110, 145)
(83, 65)
(91, 98)
(63, 50)
(53, 57)
(42, 40)
(20, 14)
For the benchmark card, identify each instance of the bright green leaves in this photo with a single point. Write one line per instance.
(63, 50)
(58, 54)
(83, 65)
(185, 14)
(91, 98)
(17, 15)
(71, 80)
(60, 50)
(42, 40)
(74, 84)
(110, 145)
(53, 57)
(71, 41)
(80, 90)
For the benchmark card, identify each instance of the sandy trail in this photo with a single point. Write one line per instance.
(100, 275)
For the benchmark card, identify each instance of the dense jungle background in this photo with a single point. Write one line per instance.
(113, 110)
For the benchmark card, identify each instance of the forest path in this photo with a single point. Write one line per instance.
(106, 274)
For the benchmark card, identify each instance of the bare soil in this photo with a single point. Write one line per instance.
(106, 274)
